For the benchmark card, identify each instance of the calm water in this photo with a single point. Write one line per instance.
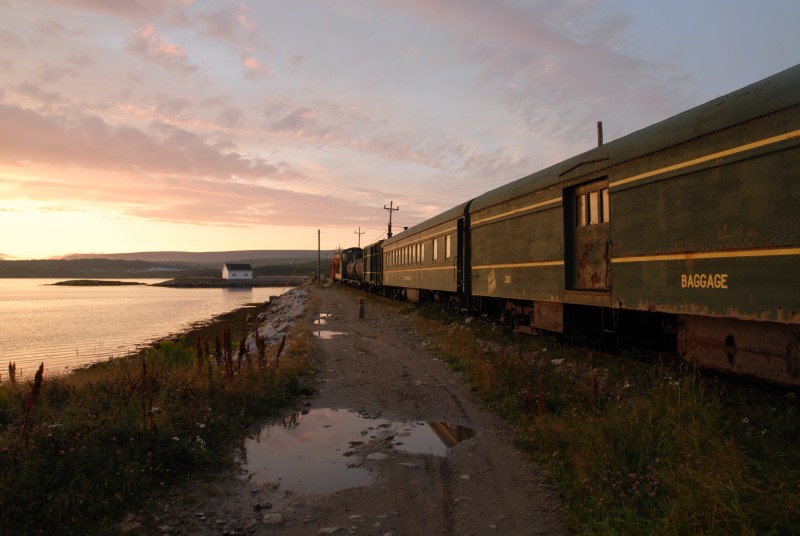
(71, 326)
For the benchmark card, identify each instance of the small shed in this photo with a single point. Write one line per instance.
(237, 271)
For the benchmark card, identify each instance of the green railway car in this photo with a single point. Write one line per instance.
(373, 265)
(695, 219)
(429, 259)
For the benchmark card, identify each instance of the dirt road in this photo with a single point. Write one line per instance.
(386, 411)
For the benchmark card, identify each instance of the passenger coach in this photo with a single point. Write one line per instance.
(430, 260)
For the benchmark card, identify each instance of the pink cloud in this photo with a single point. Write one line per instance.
(501, 21)
(9, 40)
(49, 73)
(162, 173)
(128, 8)
(152, 47)
(36, 92)
(253, 68)
(299, 119)
(87, 141)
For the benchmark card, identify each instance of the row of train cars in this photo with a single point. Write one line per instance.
(685, 234)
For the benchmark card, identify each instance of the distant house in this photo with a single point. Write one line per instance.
(237, 271)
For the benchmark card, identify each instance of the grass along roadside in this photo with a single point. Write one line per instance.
(633, 448)
(81, 450)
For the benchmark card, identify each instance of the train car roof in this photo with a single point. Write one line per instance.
(450, 214)
(374, 244)
(769, 95)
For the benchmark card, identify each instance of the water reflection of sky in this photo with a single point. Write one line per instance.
(68, 326)
(314, 452)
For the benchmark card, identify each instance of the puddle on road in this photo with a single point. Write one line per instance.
(317, 452)
(328, 334)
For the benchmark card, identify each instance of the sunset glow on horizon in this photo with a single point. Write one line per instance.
(199, 125)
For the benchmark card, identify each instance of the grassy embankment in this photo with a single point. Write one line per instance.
(634, 448)
(80, 451)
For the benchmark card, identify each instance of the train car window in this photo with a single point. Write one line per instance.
(422, 253)
(580, 209)
(594, 207)
(447, 253)
(435, 249)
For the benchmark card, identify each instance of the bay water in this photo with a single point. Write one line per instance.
(69, 326)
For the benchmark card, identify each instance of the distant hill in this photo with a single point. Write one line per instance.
(94, 268)
(254, 257)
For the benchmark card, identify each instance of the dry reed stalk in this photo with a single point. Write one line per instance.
(12, 373)
(30, 402)
(280, 350)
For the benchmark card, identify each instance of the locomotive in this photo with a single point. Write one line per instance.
(687, 230)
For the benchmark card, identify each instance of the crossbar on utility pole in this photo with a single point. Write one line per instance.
(390, 209)
(359, 233)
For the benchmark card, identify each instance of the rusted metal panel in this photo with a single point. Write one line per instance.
(591, 257)
(548, 316)
(759, 349)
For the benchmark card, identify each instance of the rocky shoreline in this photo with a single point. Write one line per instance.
(191, 282)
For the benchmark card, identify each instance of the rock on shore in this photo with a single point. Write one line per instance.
(210, 282)
(283, 311)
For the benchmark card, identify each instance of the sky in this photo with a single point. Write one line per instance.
(199, 125)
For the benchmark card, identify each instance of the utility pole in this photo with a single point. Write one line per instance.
(319, 281)
(390, 209)
(359, 233)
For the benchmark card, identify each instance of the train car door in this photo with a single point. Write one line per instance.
(459, 260)
(588, 230)
(463, 261)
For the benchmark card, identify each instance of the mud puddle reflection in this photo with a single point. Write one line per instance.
(321, 319)
(326, 334)
(319, 451)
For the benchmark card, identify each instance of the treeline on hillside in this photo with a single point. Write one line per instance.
(108, 268)
(100, 268)
(308, 268)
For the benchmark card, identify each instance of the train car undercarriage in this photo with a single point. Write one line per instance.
(767, 351)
